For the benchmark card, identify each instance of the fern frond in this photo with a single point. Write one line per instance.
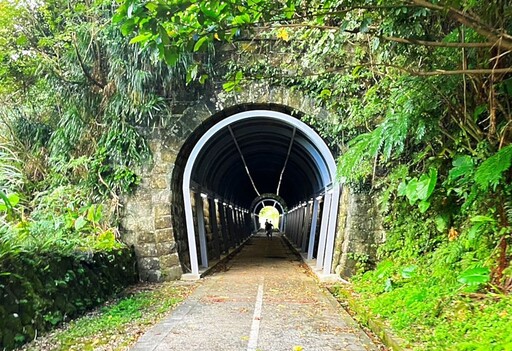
(395, 131)
(355, 163)
(490, 172)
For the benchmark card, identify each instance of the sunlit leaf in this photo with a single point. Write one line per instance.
(80, 223)
(474, 276)
(200, 43)
(482, 219)
(409, 271)
(423, 206)
(141, 38)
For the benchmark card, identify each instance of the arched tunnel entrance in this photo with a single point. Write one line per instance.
(244, 158)
(265, 201)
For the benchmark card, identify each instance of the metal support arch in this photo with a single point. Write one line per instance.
(327, 169)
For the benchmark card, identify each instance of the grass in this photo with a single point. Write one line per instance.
(434, 313)
(118, 324)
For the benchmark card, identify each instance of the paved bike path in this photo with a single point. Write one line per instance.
(263, 299)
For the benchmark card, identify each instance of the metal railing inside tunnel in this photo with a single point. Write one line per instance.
(313, 238)
(220, 226)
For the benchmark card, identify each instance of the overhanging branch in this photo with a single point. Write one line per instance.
(85, 69)
(437, 43)
(500, 39)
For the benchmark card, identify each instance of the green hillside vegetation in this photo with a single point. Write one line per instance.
(419, 100)
(72, 95)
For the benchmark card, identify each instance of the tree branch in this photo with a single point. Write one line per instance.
(440, 72)
(501, 39)
(84, 68)
(437, 43)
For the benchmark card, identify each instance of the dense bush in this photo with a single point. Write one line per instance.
(39, 291)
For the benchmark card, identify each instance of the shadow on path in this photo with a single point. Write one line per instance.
(263, 299)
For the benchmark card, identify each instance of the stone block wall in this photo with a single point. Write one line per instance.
(153, 218)
(359, 232)
(146, 219)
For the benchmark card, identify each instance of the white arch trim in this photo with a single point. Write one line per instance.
(310, 133)
(262, 202)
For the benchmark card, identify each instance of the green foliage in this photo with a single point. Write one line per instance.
(118, 323)
(11, 175)
(475, 276)
(70, 127)
(51, 288)
(424, 304)
(63, 221)
(8, 202)
(408, 121)
(399, 114)
(234, 82)
(419, 189)
(429, 314)
(490, 172)
(206, 22)
(356, 161)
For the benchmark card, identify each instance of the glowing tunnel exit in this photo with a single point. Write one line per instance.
(255, 161)
(270, 214)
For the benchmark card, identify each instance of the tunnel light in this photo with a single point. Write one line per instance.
(310, 202)
(216, 200)
(231, 206)
(319, 197)
(224, 204)
(204, 196)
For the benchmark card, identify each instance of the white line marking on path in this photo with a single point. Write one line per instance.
(256, 318)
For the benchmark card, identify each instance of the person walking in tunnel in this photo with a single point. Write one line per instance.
(268, 228)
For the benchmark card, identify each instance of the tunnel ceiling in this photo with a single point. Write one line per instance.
(264, 144)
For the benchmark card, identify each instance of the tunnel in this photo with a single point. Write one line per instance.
(248, 157)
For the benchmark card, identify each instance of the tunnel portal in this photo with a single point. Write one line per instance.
(250, 159)
(217, 161)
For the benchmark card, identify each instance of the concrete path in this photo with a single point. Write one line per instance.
(261, 300)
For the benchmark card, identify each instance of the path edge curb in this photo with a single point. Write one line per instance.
(365, 317)
(360, 314)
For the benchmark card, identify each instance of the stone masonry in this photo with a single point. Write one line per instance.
(359, 232)
(153, 218)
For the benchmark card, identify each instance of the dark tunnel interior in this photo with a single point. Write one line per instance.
(264, 144)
